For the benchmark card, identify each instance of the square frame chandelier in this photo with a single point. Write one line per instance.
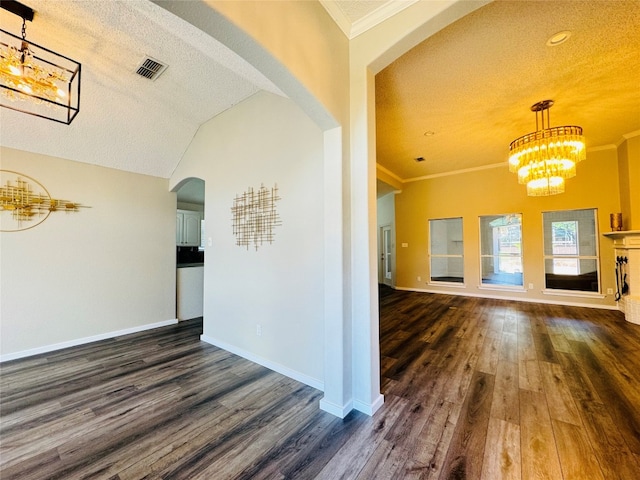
(34, 79)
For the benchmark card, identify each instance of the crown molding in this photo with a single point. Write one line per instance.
(598, 148)
(609, 146)
(457, 172)
(378, 16)
(338, 16)
(388, 172)
(370, 20)
(629, 135)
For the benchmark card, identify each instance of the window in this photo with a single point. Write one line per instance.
(571, 250)
(501, 250)
(445, 250)
(564, 242)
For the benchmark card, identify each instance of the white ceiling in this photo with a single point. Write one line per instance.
(126, 121)
(472, 83)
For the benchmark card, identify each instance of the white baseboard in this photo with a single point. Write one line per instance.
(84, 341)
(507, 297)
(276, 367)
(339, 411)
(369, 408)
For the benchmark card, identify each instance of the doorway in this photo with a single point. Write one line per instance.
(190, 249)
(386, 255)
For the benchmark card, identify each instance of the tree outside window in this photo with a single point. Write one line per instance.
(571, 259)
(501, 250)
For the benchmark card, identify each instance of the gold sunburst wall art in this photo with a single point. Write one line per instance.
(25, 203)
(255, 216)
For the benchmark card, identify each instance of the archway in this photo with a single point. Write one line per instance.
(190, 248)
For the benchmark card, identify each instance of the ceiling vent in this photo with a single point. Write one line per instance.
(151, 68)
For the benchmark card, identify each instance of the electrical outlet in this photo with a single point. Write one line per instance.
(259, 330)
(531, 286)
(419, 279)
(609, 291)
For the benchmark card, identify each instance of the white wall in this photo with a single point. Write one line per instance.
(266, 140)
(78, 276)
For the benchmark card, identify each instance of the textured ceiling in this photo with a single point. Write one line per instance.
(473, 83)
(358, 9)
(126, 121)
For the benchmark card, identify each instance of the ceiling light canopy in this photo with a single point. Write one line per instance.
(545, 158)
(34, 79)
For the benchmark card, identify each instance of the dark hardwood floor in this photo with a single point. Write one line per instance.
(474, 389)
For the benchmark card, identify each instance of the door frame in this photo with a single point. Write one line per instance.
(385, 255)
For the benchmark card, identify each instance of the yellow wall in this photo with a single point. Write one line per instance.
(629, 167)
(496, 191)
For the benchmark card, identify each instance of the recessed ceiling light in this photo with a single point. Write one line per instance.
(429, 133)
(558, 38)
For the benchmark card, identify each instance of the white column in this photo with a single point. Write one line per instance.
(337, 349)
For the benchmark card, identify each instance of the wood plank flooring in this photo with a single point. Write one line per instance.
(474, 389)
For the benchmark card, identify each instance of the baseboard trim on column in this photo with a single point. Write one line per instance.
(335, 409)
(369, 408)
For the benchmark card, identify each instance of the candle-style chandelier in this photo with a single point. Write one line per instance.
(545, 158)
(34, 79)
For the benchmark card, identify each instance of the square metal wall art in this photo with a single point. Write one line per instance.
(255, 216)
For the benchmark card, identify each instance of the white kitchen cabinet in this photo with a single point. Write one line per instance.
(187, 228)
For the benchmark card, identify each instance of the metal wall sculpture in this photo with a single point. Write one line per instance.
(25, 203)
(255, 216)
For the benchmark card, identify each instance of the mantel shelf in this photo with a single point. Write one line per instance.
(622, 233)
(626, 240)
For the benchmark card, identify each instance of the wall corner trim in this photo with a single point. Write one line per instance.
(339, 411)
(84, 341)
(276, 367)
(369, 408)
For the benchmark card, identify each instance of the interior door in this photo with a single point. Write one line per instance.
(386, 257)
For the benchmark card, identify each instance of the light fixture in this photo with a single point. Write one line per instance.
(558, 38)
(34, 79)
(545, 158)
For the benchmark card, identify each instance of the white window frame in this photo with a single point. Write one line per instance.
(500, 286)
(439, 255)
(578, 257)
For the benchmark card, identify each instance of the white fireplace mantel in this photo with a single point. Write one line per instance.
(625, 239)
(627, 244)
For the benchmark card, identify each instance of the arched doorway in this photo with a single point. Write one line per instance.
(190, 249)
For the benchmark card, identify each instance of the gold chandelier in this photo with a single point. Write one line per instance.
(34, 79)
(545, 158)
